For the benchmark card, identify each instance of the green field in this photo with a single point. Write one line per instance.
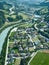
(40, 59)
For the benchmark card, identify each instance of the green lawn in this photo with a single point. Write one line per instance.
(26, 25)
(41, 25)
(35, 39)
(40, 59)
(17, 62)
(24, 16)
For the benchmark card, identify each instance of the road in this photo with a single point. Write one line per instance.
(36, 26)
(30, 38)
(11, 10)
(32, 56)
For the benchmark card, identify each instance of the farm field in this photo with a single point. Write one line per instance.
(41, 58)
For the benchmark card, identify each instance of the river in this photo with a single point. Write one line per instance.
(3, 36)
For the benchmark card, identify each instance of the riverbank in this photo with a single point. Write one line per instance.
(9, 25)
(3, 52)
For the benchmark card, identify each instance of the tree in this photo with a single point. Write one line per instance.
(23, 62)
(47, 18)
(2, 18)
(10, 19)
(19, 17)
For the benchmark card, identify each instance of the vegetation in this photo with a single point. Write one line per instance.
(2, 18)
(47, 17)
(7, 25)
(42, 11)
(24, 61)
(44, 33)
(40, 59)
(41, 25)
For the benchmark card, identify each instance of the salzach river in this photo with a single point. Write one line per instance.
(3, 36)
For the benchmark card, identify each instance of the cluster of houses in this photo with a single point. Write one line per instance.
(24, 45)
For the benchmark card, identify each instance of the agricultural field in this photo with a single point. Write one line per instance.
(42, 58)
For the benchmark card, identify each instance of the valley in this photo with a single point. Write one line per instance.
(24, 32)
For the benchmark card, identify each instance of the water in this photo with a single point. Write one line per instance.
(3, 36)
